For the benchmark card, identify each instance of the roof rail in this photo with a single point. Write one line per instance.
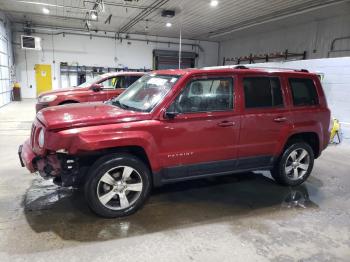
(257, 67)
(279, 68)
(302, 70)
(240, 67)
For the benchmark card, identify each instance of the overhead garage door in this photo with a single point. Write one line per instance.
(164, 59)
(5, 87)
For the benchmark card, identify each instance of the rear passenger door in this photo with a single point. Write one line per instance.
(265, 120)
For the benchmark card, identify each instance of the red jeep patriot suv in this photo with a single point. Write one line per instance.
(175, 125)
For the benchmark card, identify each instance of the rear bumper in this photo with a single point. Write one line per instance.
(40, 106)
(26, 156)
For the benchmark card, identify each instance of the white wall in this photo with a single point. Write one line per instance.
(6, 60)
(336, 81)
(97, 52)
(314, 37)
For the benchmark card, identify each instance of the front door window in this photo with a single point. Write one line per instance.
(109, 83)
(205, 95)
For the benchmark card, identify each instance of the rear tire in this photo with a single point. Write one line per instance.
(117, 185)
(295, 164)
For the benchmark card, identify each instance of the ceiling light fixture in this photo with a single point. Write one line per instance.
(168, 13)
(214, 3)
(168, 24)
(93, 16)
(46, 11)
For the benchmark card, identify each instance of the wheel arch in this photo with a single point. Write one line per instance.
(70, 101)
(311, 138)
(134, 150)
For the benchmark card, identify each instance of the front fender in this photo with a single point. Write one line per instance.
(143, 139)
(62, 99)
(90, 139)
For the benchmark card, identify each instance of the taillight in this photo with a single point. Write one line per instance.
(331, 123)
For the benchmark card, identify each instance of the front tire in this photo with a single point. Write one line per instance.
(117, 185)
(295, 164)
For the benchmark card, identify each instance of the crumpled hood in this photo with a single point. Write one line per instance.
(64, 91)
(86, 114)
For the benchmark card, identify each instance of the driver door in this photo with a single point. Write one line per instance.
(202, 138)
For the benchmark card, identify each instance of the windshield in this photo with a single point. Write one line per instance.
(91, 81)
(145, 93)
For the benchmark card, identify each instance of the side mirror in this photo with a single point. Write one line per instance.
(170, 115)
(96, 87)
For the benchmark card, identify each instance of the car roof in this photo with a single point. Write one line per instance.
(122, 73)
(232, 69)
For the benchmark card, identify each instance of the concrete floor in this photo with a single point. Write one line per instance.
(241, 217)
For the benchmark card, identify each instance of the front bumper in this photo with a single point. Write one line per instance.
(63, 168)
(26, 156)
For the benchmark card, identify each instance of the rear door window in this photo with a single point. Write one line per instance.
(303, 91)
(262, 92)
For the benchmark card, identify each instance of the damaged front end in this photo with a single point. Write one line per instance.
(38, 157)
(64, 169)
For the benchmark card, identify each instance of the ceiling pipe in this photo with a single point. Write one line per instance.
(81, 8)
(50, 5)
(338, 39)
(331, 50)
(119, 4)
(115, 37)
(144, 13)
(43, 15)
(55, 28)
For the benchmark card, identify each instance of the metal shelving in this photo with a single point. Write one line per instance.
(80, 73)
(261, 58)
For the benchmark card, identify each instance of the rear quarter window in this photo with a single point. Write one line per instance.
(303, 91)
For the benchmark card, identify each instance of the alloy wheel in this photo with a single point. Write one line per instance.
(297, 164)
(119, 188)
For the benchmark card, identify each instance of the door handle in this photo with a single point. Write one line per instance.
(280, 119)
(226, 123)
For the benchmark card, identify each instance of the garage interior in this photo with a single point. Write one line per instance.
(240, 217)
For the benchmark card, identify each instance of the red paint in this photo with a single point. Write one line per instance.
(189, 138)
(85, 94)
(28, 155)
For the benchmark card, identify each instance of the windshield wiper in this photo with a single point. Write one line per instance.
(124, 106)
(117, 103)
(131, 108)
